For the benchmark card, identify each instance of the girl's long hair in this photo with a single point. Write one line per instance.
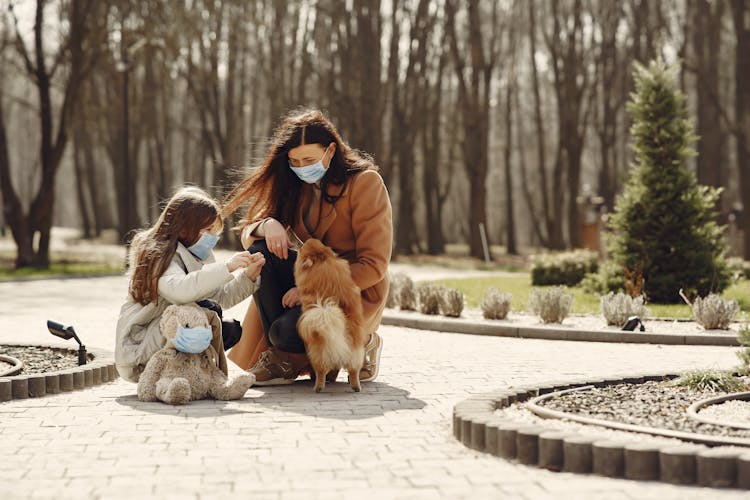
(187, 212)
(273, 190)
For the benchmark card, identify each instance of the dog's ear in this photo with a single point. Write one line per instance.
(306, 262)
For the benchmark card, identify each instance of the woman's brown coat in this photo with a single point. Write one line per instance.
(359, 228)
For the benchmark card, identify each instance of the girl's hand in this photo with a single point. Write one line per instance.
(291, 298)
(276, 238)
(239, 260)
(253, 270)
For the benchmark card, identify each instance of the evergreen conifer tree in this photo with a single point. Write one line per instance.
(664, 222)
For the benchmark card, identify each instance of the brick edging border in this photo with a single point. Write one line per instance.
(33, 385)
(476, 426)
(473, 327)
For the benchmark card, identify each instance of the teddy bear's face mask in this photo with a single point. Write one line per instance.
(192, 340)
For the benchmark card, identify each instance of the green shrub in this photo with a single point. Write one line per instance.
(551, 305)
(608, 279)
(429, 299)
(394, 289)
(451, 302)
(566, 268)
(744, 338)
(709, 380)
(714, 313)
(738, 269)
(664, 222)
(495, 305)
(407, 295)
(617, 308)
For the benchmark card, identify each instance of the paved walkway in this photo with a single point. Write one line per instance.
(392, 440)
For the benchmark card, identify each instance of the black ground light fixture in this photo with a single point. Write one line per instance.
(634, 321)
(66, 333)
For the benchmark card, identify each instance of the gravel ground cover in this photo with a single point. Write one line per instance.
(517, 412)
(729, 411)
(38, 359)
(653, 404)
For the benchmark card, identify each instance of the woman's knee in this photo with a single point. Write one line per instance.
(260, 246)
(283, 333)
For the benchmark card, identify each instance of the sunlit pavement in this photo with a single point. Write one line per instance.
(393, 439)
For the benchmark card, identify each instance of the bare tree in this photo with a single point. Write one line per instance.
(54, 137)
(706, 23)
(553, 236)
(568, 49)
(474, 88)
(610, 97)
(436, 181)
(510, 89)
(741, 21)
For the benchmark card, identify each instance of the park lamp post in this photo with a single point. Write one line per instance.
(124, 66)
(66, 333)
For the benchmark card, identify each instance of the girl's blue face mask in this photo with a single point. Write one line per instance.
(192, 340)
(204, 245)
(310, 173)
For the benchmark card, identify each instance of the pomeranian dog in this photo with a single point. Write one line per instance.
(331, 323)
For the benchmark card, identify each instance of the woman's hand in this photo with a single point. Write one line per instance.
(276, 238)
(291, 298)
(238, 261)
(253, 269)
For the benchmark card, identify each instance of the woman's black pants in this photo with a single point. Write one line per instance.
(279, 322)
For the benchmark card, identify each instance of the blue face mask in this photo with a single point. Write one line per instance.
(192, 340)
(204, 245)
(310, 173)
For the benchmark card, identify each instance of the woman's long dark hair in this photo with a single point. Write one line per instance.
(273, 190)
(187, 212)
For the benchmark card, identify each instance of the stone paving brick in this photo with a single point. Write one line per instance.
(394, 439)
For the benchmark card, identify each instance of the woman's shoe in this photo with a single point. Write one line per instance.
(369, 371)
(271, 369)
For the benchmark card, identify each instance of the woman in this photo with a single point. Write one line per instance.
(311, 185)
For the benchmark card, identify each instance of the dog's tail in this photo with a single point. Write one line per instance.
(324, 324)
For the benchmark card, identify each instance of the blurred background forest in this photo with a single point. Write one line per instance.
(499, 116)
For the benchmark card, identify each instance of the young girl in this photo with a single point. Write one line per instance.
(173, 263)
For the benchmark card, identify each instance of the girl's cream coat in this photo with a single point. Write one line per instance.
(186, 280)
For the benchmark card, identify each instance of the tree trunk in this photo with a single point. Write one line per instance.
(431, 143)
(710, 162)
(741, 18)
(552, 218)
(406, 120)
(473, 88)
(12, 208)
(39, 217)
(509, 215)
(80, 182)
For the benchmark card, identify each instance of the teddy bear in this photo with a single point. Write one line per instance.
(176, 377)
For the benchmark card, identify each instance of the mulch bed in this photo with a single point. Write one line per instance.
(38, 359)
(653, 404)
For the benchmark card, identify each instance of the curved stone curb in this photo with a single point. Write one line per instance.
(33, 385)
(477, 426)
(463, 325)
(16, 365)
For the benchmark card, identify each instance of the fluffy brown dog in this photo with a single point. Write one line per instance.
(331, 320)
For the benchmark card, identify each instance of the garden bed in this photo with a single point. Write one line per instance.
(40, 359)
(576, 328)
(49, 369)
(652, 404)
